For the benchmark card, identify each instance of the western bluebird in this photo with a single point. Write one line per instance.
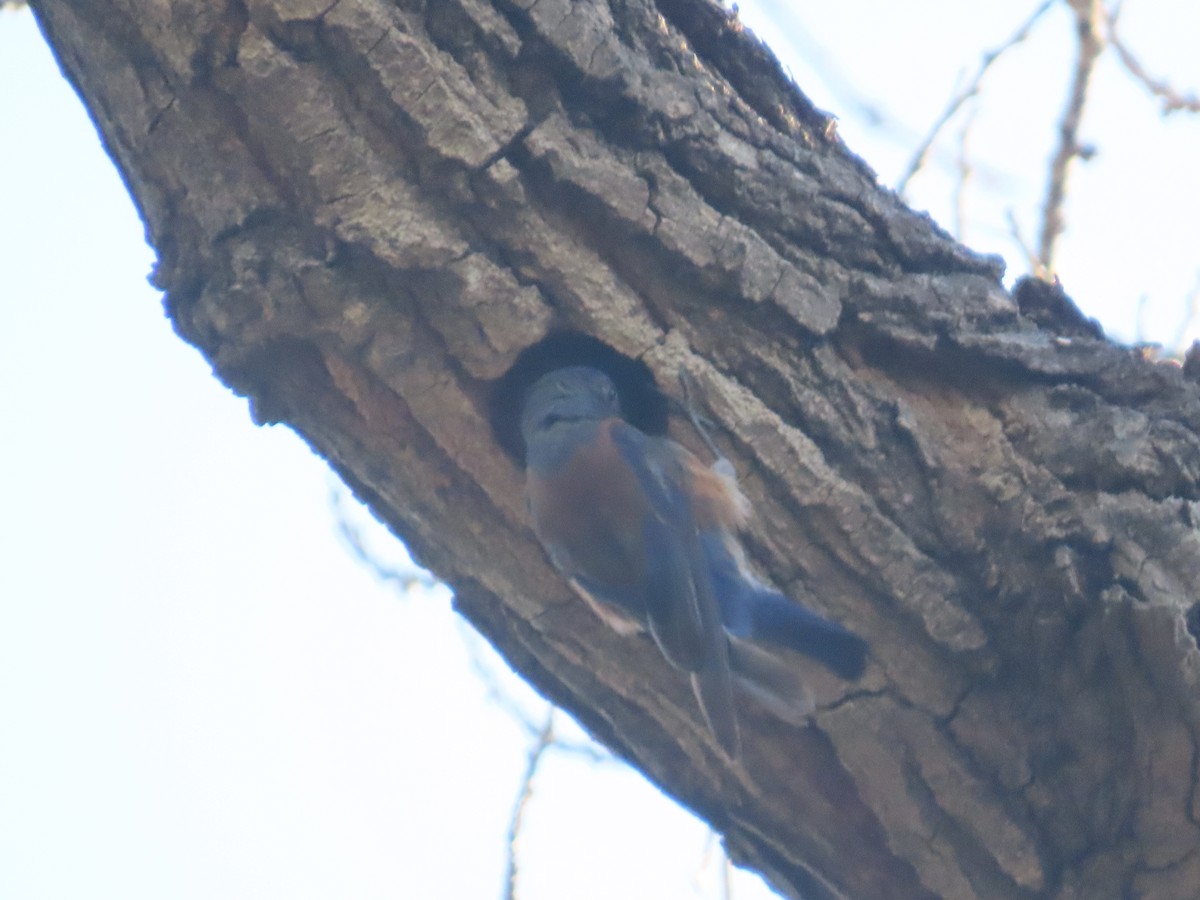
(645, 533)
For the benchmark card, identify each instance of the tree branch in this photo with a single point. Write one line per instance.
(1088, 17)
(366, 212)
(965, 93)
(1173, 100)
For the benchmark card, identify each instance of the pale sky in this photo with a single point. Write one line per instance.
(203, 696)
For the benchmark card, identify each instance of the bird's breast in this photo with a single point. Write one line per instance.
(589, 509)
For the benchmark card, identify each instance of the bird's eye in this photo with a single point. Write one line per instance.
(551, 419)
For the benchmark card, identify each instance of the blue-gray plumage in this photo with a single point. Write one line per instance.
(645, 532)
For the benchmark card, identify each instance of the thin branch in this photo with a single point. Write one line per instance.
(1191, 305)
(1172, 99)
(966, 93)
(713, 847)
(509, 704)
(495, 693)
(411, 577)
(965, 171)
(545, 739)
(1014, 230)
(1088, 16)
(1139, 319)
(404, 579)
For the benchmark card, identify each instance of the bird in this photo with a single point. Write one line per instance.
(645, 532)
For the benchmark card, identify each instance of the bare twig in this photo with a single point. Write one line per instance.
(495, 693)
(544, 740)
(1088, 16)
(404, 579)
(1172, 99)
(1014, 230)
(1191, 305)
(509, 704)
(965, 93)
(1140, 310)
(544, 737)
(965, 171)
(715, 853)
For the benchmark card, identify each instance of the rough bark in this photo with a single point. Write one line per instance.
(364, 211)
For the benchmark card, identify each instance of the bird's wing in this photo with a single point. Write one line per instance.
(681, 607)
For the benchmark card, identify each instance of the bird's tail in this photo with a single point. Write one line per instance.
(757, 620)
(774, 619)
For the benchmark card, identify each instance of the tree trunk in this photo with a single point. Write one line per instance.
(364, 211)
